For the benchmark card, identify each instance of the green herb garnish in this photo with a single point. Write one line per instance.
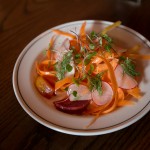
(129, 67)
(74, 93)
(63, 66)
(95, 83)
(88, 58)
(77, 56)
(93, 35)
(82, 49)
(91, 69)
(107, 47)
(91, 46)
(68, 67)
(107, 38)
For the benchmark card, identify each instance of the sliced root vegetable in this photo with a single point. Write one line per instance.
(80, 92)
(62, 82)
(107, 94)
(49, 53)
(121, 95)
(40, 70)
(125, 102)
(72, 107)
(135, 92)
(124, 80)
(110, 27)
(82, 32)
(44, 87)
(103, 66)
(114, 85)
(96, 60)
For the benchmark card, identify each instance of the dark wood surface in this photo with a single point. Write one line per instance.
(23, 20)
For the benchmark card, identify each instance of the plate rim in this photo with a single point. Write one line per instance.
(86, 132)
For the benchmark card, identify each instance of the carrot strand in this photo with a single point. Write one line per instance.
(59, 32)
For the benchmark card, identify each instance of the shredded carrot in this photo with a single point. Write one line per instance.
(62, 82)
(121, 95)
(47, 62)
(82, 32)
(48, 53)
(42, 73)
(64, 33)
(103, 66)
(135, 92)
(125, 102)
(110, 27)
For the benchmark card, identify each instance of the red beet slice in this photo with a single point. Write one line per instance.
(71, 107)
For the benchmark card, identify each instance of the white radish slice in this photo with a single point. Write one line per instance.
(124, 80)
(107, 94)
(83, 92)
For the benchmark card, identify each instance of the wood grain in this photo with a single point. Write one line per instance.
(23, 20)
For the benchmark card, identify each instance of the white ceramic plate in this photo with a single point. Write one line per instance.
(33, 103)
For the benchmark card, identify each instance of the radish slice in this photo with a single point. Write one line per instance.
(107, 94)
(82, 91)
(124, 80)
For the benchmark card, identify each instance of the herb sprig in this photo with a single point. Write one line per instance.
(95, 83)
(108, 45)
(129, 67)
(64, 66)
(88, 57)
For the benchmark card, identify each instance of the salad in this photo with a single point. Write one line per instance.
(89, 74)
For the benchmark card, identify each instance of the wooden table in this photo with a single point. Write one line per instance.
(23, 20)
